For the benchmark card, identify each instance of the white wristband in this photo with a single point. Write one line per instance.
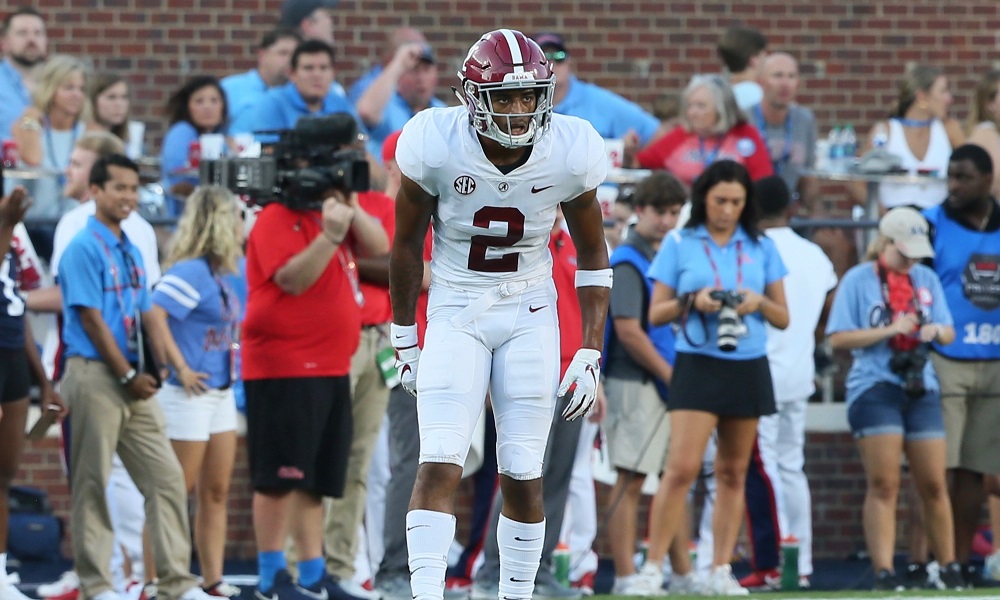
(403, 336)
(598, 278)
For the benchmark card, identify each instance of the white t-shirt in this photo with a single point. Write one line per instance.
(490, 227)
(139, 232)
(748, 94)
(790, 351)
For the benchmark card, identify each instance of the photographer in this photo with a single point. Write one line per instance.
(302, 326)
(722, 279)
(887, 311)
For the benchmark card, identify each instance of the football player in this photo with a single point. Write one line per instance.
(492, 173)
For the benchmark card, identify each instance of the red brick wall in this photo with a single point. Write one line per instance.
(851, 53)
(832, 465)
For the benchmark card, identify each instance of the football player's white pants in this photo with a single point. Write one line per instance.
(508, 343)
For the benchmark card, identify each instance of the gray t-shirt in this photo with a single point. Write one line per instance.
(792, 144)
(628, 300)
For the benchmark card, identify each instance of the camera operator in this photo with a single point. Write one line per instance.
(886, 312)
(721, 277)
(303, 324)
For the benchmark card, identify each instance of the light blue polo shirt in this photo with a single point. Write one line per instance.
(397, 112)
(610, 114)
(282, 107)
(363, 83)
(683, 264)
(242, 90)
(14, 97)
(858, 304)
(98, 270)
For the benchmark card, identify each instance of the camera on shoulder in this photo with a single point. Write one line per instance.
(300, 168)
(731, 326)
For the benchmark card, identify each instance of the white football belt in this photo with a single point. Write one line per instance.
(491, 297)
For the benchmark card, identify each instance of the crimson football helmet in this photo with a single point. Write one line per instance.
(506, 60)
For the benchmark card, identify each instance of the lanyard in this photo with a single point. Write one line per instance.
(135, 320)
(914, 122)
(707, 159)
(786, 149)
(715, 269)
(50, 150)
(350, 266)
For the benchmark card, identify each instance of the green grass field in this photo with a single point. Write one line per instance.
(858, 594)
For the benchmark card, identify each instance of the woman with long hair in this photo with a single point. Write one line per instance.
(196, 109)
(111, 105)
(886, 311)
(198, 300)
(721, 278)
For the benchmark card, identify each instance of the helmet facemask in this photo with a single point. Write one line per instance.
(477, 98)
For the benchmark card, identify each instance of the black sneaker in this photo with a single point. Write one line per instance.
(951, 577)
(886, 581)
(916, 576)
(971, 576)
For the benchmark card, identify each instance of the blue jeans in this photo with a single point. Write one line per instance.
(885, 409)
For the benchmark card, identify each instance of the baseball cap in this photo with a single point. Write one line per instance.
(908, 229)
(550, 40)
(293, 11)
(427, 54)
(389, 146)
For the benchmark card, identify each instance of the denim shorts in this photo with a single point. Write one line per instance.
(885, 409)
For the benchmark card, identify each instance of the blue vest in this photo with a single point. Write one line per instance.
(968, 264)
(662, 336)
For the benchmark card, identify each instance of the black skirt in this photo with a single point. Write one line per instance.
(727, 388)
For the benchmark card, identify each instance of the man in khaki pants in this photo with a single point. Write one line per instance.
(104, 299)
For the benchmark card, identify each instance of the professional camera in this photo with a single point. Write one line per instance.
(909, 365)
(731, 326)
(299, 168)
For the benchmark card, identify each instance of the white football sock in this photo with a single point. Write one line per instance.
(520, 552)
(428, 537)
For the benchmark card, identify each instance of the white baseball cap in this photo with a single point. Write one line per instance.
(908, 229)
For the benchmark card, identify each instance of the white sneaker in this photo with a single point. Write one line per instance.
(196, 593)
(648, 583)
(992, 567)
(355, 589)
(67, 583)
(686, 585)
(721, 582)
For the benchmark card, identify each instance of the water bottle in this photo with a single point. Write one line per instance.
(789, 564)
(836, 149)
(560, 563)
(849, 146)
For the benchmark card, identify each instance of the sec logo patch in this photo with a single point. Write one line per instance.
(465, 185)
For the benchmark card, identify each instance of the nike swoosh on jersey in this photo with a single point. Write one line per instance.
(535, 190)
(520, 539)
(534, 309)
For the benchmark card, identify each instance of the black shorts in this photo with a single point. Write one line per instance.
(727, 388)
(299, 433)
(15, 377)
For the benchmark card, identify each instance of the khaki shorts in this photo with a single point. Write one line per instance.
(637, 426)
(970, 402)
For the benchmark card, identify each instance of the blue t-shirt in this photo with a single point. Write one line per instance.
(281, 108)
(98, 270)
(685, 264)
(859, 305)
(11, 304)
(14, 98)
(204, 316)
(610, 114)
(242, 90)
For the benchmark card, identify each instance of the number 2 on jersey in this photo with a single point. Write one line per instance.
(506, 263)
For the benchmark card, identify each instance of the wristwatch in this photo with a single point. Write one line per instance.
(127, 377)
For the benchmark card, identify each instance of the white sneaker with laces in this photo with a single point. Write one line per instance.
(722, 583)
(196, 593)
(686, 585)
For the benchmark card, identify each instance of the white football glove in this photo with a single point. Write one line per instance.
(404, 340)
(585, 372)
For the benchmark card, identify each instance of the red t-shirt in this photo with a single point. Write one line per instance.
(377, 309)
(683, 154)
(568, 303)
(313, 334)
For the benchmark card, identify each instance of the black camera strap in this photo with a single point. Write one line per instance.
(718, 285)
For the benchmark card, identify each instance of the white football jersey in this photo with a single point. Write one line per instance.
(490, 227)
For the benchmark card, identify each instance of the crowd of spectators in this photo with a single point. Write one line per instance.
(145, 337)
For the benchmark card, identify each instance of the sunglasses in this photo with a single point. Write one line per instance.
(556, 56)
